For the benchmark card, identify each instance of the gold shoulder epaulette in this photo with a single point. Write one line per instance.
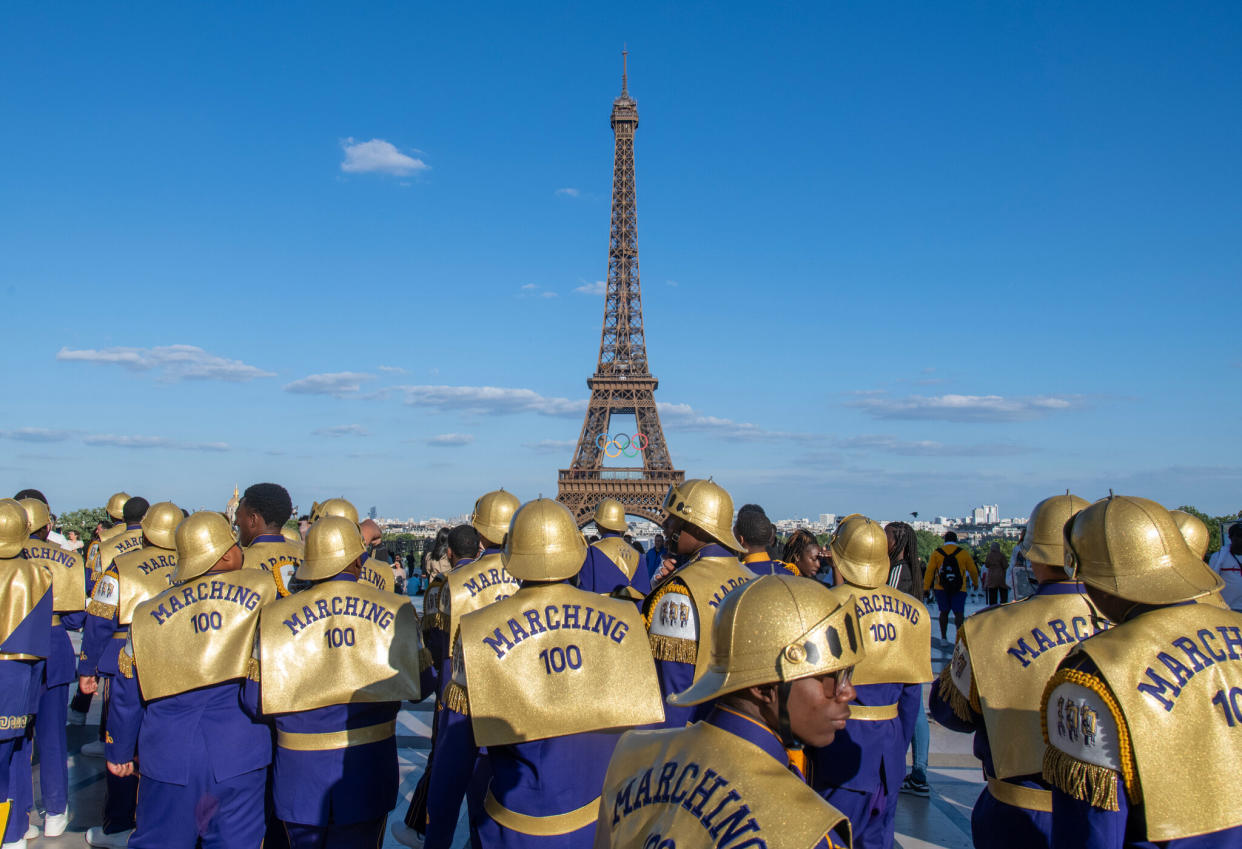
(125, 663)
(1088, 782)
(456, 699)
(664, 647)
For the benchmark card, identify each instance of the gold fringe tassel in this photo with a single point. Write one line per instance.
(252, 669)
(425, 660)
(1086, 782)
(434, 621)
(953, 697)
(456, 699)
(125, 663)
(104, 611)
(675, 649)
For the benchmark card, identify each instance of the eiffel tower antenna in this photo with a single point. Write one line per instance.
(622, 383)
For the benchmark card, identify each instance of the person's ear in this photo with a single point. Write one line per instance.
(763, 693)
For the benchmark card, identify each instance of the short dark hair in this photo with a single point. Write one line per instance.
(950, 536)
(463, 541)
(31, 493)
(269, 500)
(134, 509)
(753, 525)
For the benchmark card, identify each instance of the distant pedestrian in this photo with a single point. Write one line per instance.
(906, 572)
(802, 552)
(654, 558)
(1228, 564)
(948, 570)
(997, 565)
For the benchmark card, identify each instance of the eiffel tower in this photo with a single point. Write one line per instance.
(622, 383)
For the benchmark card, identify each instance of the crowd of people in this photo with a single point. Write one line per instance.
(712, 691)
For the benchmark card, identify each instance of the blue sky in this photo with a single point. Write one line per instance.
(894, 258)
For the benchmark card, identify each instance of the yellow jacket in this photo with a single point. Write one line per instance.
(970, 572)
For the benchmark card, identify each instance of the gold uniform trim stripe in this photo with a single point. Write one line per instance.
(552, 826)
(873, 713)
(1030, 798)
(55, 619)
(104, 611)
(675, 649)
(306, 742)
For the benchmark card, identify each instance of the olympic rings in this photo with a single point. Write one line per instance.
(634, 445)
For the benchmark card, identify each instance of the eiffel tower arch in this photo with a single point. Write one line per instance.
(622, 383)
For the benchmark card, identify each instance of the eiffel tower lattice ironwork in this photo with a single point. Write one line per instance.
(622, 383)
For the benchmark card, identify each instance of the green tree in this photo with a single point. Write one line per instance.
(928, 542)
(83, 521)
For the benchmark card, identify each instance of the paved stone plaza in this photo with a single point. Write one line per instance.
(940, 821)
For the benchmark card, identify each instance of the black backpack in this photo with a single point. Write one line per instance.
(950, 573)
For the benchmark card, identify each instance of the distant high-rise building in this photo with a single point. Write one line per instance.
(372, 513)
(828, 518)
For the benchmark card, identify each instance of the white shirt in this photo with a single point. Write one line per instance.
(1229, 566)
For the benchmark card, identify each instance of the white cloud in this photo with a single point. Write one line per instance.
(338, 384)
(685, 418)
(884, 444)
(130, 441)
(490, 400)
(451, 440)
(529, 287)
(36, 434)
(967, 408)
(173, 362)
(672, 283)
(378, 157)
(551, 446)
(534, 290)
(341, 430)
(568, 192)
(392, 369)
(599, 287)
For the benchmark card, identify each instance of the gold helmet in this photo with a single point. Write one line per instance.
(334, 507)
(1193, 530)
(544, 543)
(159, 525)
(116, 505)
(610, 516)
(492, 514)
(707, 506)
(1131, 548)
(860, 552)
(332, 544)
(777, 628)
(201, 538)
(14, 527)
(38, 516)
(1044, 541)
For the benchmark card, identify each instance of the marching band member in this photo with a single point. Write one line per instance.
(679, 610)
(861, 771)
(68, 573)
(754, 532)
(1140, 719)
(528, 672)
(335, 662)
(612, 564)
(177, 699)
(261, 515)
(992, 686)
(25, 643)
(782, 652)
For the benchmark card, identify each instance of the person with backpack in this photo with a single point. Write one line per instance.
(948, 569)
